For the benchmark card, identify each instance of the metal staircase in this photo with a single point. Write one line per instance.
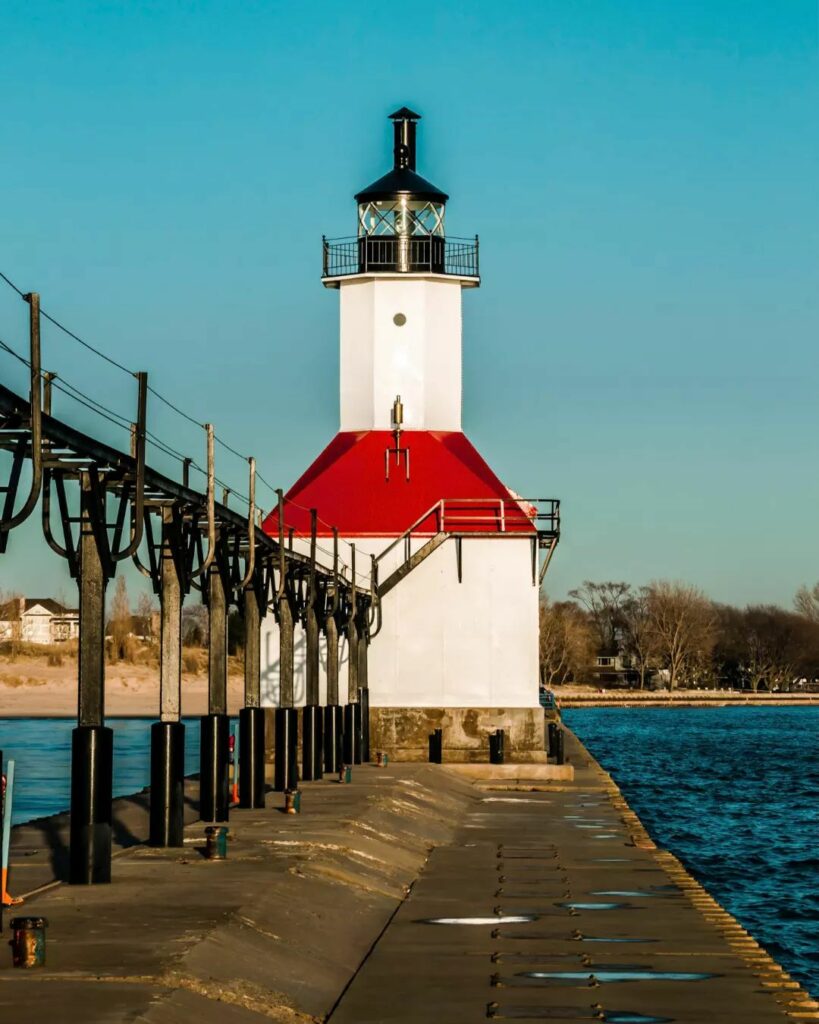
(460, 518)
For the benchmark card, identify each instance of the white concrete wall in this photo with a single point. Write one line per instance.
(444, 643)
(270, 666)
(420, 361)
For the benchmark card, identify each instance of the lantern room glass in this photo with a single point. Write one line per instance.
(401, 217)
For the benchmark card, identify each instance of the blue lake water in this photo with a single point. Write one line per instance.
(734, 793)
(41, 750)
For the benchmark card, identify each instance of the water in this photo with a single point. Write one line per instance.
(733, 793)
(41, 750)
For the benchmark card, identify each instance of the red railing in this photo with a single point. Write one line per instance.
(490, 516)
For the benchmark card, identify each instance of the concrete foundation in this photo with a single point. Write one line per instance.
(403, 733)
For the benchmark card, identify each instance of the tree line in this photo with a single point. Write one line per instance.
(671, 634)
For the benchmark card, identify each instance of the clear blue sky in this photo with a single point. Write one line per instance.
(643, 176)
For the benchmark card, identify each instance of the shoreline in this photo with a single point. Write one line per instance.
(686, 699)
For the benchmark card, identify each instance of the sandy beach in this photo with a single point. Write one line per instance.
(30, 687)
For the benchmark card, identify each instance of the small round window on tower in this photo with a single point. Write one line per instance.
(399, 319)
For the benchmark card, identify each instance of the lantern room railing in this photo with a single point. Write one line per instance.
(413, 254)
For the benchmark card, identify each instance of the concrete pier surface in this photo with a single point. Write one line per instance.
(556, 895)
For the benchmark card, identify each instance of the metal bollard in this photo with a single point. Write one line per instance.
(364, 702)
(92, 761)
(28, 943)
(251, 757)
(216, 842)
(436, 746)
(551, 749)
(560, 753)
(312, 745)
(357, 732)
(167, 813)
(292, 801)
(333, 737)
(348, 735)
(214, 767)
(496, 752)
(286, 724)
(345, 773)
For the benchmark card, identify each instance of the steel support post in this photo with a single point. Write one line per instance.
(352, 718)
(214, 785)
(312, 747)
(92, 744)
(167, 817)
(286, 717)
(251, 717)
(333, 720)
(364, 694)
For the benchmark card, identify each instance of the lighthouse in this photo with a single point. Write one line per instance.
(456, 556)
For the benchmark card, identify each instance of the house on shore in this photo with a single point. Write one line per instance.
(38, 620)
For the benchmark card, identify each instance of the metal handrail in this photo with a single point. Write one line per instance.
(508, 514)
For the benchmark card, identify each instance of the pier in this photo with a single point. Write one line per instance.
(551, 888)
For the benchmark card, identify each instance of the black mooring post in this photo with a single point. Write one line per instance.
(92, 744)
(167, 810)
(348, 735)
(308, 741)
(560, 752)
(551, 750)
(92, 765)
(251, 757)
(214, 780)
(333, 737)
(357, 726)
(496, 751)
(364, 704)
(292, 749)
(214, 766)
(167, 816)
(251, 717)
(285, 749)
(436, 746)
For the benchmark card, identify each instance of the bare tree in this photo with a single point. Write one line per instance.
(12, 606)
(119, 620)
(566, 642)
(806, 602)
(683, 626)
(639, 639)
(605, 603)
(194, 625)
(775, 648)
(145, 615)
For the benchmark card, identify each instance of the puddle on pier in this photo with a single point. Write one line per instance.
(591, 906)
(497, 919)
(494, 1011)
(608, 976)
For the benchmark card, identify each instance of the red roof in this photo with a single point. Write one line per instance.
(349, 487)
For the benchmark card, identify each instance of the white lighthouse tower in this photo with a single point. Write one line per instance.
(459, 556)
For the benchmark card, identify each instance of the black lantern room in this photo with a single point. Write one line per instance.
(401, 221)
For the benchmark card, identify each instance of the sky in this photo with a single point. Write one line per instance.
(642, 175)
